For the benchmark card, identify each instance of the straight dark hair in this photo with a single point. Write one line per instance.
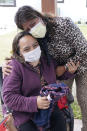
(16, 48)
(26, 13)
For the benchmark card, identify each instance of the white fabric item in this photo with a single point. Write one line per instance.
(33, 55)
(49, 98)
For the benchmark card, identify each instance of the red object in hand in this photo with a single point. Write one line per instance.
(2, 124)
(62, 102)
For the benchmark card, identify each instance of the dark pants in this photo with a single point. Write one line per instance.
(28, 126)
(57, 123)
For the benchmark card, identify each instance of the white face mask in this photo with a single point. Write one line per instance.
(38, 31)
(33, 55)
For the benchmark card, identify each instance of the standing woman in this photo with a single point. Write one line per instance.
(63, 40)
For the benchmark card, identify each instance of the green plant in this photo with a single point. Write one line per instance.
(76, 110)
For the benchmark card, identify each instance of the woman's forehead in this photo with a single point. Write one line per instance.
(27, 40)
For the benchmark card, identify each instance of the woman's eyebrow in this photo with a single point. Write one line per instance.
(35, 43)
(25, 47)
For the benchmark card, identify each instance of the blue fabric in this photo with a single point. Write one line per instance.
(42, 117)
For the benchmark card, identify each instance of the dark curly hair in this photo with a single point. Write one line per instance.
(16, 48)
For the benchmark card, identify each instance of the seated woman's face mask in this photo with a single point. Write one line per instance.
(32, 56)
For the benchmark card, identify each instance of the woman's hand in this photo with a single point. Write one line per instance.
(72, 67)
(10, 123)
(60, 70)
(6, 69)
(42, 102)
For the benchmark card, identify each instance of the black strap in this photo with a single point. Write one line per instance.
(0, 78)
(1, 81)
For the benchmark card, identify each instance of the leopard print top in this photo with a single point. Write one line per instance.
(68, 43)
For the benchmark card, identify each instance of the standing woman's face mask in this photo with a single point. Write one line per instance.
(30, 49)
(36, 27)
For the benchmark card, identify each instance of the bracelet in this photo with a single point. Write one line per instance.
(66, 67)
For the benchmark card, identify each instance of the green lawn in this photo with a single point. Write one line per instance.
(5, 45)
(83, 28)
(76, 110)
(5, 48)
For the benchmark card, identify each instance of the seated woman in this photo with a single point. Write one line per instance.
(21, 88)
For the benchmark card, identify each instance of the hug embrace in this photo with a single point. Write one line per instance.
(48, 47)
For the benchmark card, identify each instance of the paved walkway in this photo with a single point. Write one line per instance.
(77, 125)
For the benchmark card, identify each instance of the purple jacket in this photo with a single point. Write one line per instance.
(22, 86)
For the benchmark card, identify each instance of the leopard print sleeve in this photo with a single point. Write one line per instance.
(78, 42)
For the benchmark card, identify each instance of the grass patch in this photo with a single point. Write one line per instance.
(6, 45)
(83, 28)
(76, 110)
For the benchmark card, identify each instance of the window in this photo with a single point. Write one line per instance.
(8, 3)
(60, 1)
